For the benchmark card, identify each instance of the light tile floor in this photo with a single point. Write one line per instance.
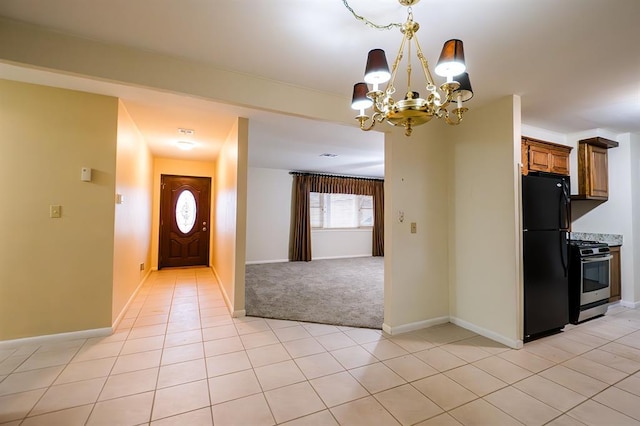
(178, 358)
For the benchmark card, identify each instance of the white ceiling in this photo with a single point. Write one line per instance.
(575, 63)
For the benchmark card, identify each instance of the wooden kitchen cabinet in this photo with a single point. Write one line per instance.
(544, 156)
(524, 153)
(593, 169)
(616, 280)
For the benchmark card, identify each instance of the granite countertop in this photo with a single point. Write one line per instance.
(611, 239)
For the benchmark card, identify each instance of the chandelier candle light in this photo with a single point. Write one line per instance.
(412, 110)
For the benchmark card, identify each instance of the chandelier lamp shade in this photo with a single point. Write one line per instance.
(410, 109)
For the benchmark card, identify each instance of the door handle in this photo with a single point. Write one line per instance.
(204, 229)
(595, 259)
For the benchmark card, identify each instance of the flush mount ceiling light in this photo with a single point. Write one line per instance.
(411, 110)
(186, 145)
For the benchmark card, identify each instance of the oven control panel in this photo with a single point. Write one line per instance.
(594, 251)
(588, 248)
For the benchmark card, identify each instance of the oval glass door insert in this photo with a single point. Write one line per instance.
(186, 211)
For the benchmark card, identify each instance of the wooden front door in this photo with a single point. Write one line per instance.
(184, 221)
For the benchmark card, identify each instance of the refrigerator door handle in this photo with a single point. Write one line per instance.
(567, 206)
(565, 266)
(561, 210)
(564, 213)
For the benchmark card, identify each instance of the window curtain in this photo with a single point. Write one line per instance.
(307, 183)
(378, 218)
(301, 235)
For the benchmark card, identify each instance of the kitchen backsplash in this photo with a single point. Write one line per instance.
(611, 239)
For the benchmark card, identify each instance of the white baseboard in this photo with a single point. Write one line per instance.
(632, 305)
(227, 300)
(413, 326)
(116, 322)
(257, 262)
(512, 343)
(341, 257)
(614, 305)
(52, 338)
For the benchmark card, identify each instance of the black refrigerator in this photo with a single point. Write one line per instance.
(546, 213)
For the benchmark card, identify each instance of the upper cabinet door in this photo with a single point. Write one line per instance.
(593, 170)
(599, 173)
(539, 158)
(559, 162)
(545, 157)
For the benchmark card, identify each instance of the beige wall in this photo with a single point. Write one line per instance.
(167, 166)
(28, 44)
(268, 218)
(132, 230)
(230, 194)
(485, 229)
(416, 276)
(55, 274)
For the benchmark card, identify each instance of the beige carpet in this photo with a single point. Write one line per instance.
(337, 291)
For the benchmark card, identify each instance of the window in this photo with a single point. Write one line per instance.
(341, 210)
(186, 211)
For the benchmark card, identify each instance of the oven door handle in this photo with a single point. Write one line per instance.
(596, 259)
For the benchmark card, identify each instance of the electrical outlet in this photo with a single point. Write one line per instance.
(414, 228)
(142, 266)
(55, 212)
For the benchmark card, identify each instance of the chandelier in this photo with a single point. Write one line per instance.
(412, 110)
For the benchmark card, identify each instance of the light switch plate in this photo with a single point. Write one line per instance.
(55, 212)
(414, 228)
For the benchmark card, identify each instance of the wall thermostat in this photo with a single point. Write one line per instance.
(85, 176)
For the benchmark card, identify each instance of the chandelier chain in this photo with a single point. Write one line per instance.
(368, 22)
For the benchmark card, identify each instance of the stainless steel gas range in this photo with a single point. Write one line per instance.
(589, 279)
